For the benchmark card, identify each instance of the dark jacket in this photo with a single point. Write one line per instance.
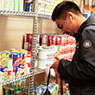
(81, 70)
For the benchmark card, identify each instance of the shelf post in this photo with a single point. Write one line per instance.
(33, 51)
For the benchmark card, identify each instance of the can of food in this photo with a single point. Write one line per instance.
(43, 53)
(44, 39)
(30, 38)
(53, 40)
(30, 42)
(38, 40)
(27, 37)
(64, 40)
(59, 40)
(71, 40)
(48, 40)
(27, 5)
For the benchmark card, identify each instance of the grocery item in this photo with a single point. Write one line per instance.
(20, 5)
(28, 5)
(11, 5)
(15, 5)
(6, 5)
(1, 4)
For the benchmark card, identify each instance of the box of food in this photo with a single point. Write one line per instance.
(11, 5)
(1, 4)
(20, 5)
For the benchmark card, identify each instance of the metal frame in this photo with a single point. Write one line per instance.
(24, 14)
(33, 51)
(14, 13)
(22, 77)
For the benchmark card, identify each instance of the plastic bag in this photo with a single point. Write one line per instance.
(47, 92)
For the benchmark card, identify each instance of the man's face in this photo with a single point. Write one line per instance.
(66, 26)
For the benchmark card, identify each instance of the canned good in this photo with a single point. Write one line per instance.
(53, 40)
(27, 5)
(42, 63)
(59, 40)
(64, 40)
(44, 39)
(48, 40)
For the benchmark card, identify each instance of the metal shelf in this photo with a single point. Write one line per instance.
(15, 79)
(44, 16)
(22, 77)
(26, 14)
(39, 71)
(14, 13)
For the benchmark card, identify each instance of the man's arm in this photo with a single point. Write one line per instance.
(83, 63)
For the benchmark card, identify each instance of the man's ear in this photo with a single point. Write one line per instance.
(70, 16)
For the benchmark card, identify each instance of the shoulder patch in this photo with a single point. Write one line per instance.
(87, 44)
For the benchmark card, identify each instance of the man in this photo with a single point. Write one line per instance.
(81, 70)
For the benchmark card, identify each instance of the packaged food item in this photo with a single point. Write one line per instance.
(41, 8)
(11, 5)
(53, 40)
(20, 5)
(53, 88)
(6, 5)
(18, 87)
(1, 4)
(28, 5)
(15, 5)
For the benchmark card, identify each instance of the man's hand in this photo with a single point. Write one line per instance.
(56, 62)
(55, 67)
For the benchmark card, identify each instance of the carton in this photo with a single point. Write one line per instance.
(20, 5)
(11, 5)
(6, 5)
(1, 4)
(15, 5)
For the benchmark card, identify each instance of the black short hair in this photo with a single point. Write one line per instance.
(62, 8)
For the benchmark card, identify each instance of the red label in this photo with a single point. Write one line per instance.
(53, 40)
(59, 40)
(48, 40)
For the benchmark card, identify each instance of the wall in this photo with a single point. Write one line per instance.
(12, 30)
(77, 2)
(50, 27)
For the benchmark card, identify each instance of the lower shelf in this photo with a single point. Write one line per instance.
(22, 77)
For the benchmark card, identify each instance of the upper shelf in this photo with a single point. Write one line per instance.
(44, 16)
(15, 13)
(25, 14)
